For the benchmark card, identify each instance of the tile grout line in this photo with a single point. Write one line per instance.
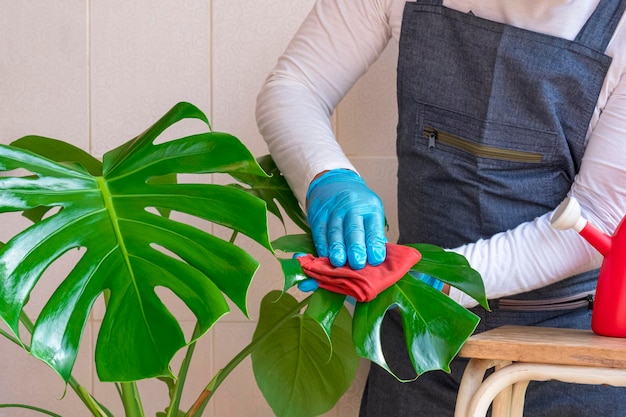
(88, 27)
(211, 404)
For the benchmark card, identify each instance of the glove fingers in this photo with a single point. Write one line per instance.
(375, 239)
(354, 235)
(308, 285)
(336, 245)
(318, 232)
(347, 219)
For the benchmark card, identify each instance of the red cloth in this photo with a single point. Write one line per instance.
(362, 284)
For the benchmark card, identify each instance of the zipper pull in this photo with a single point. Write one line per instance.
(432, 137)
(430, 134)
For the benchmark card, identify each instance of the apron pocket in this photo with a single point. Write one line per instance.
(487, 142)
(436, 136)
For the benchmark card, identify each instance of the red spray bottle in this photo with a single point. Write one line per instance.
(609, 307)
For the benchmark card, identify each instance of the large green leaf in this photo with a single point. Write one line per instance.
(298, 370)
(324, 308)
(68, 154)
(451, 268)
(292, 271)
(274, 189)
(126, 248)
(435, 327)
(60, 151)
(295, 243)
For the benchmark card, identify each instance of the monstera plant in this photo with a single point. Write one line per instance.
(121, 217)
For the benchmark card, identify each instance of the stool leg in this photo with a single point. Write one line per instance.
(501, 379)
(519, 372)
(517, 398)
(501, 406)
(471, 381)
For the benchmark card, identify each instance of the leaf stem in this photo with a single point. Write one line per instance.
(29, 407)
(131, 400)
(221, 375)
(182, 375)
(11, 338)
(97, 409)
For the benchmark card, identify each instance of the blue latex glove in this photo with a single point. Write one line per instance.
(347, 219)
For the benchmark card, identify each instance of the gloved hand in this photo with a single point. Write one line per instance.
(347, 219)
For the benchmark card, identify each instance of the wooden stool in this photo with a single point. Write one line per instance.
(522, 354)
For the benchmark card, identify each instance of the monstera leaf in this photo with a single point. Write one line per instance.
(435, 327)
(275, 191)
(112, 216)
(303, 369)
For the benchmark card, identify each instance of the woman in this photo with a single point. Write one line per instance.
(505, 108)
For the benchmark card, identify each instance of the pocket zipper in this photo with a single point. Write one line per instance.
(483, 151)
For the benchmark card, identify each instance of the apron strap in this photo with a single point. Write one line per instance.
(430, 2)
(598, 30)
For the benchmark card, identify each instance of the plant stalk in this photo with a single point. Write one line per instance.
(131, 400)
(29, 407)
(221, 375)
(182, 375)
(11, 338)
(90, 402)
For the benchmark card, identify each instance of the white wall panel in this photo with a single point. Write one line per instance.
(43, 70)
(367, 116)
(248, 37)
(146, 56)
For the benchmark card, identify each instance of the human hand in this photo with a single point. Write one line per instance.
(347, 219)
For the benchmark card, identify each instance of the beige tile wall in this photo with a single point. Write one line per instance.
(96, 73)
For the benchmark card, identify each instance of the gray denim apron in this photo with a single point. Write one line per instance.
(492, 129)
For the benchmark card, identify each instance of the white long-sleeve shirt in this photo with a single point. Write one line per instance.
(337, 43)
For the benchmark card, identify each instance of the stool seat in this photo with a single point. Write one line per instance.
(521, 354)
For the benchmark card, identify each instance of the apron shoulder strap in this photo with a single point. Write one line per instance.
(598, 30)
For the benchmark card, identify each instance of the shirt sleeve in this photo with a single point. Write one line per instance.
(335, 45)
(534, 254)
